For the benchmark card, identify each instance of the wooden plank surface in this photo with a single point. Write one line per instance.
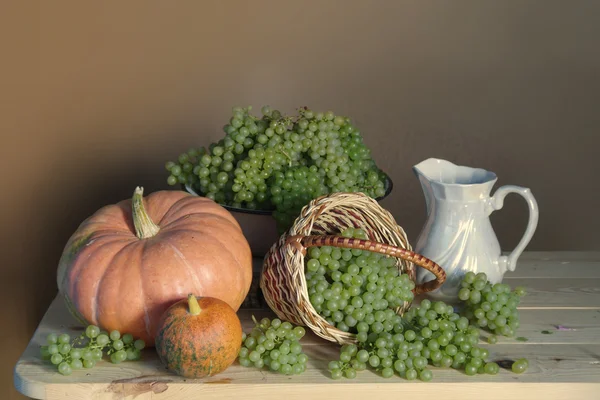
(551, 368)
(563, 363)
(563, 293)
(552, 269)
(570, 256)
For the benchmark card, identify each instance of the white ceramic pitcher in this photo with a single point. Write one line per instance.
(458, 234)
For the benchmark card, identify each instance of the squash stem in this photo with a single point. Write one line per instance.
(144, 226)
(193, 305)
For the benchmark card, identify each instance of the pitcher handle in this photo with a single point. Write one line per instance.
(497, 202)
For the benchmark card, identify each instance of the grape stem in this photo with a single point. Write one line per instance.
(193, 304)
(408, 325)
(144, 226)
(286, 154)
(257, 324)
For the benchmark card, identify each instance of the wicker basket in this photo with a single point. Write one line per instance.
(283, 282)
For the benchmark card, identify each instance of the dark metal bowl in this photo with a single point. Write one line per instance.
(260, 228)
(389, 185)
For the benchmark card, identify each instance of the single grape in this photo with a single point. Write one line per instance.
(362, 355)
(520, 291)
(491, 368)
(139, 344)
(53, 349)
(127, 338)
(87, 354)
(464, 294)
(299, 332)
(97, 354)
(121, 355)
(44, 353)
(374, 361)
(115, 335)
(387, 372)
(419, 363)
(411, 374)
(51, 339)
(64, 348)
(520, 366)
(254, 356)
(64, 369)
(56, 359)
(350, 373)
(286, 369)
(274, 365)
(76, 364)
(244, 362)
(102, 340)
(92, 331)
(425, 375)
(117, 344)
(64, 338)
(336, 373)
(470, 369)
(75, 353)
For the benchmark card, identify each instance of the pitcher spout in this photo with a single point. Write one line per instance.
(445, 180)
(426, 168)
(422, 170)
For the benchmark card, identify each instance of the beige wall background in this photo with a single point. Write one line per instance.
(96, 96)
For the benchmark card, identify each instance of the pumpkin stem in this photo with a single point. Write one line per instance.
(144, 226)
(193, 305)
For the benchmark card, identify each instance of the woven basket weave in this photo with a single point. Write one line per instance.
(283, 282)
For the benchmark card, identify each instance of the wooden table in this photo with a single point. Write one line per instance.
(563, 289)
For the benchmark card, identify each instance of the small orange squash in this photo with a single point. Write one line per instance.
(198, 337)
(128, 262)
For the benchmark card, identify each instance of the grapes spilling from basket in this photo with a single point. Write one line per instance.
(363, 294)
(355, 290)
(280, 163)
(492, 307)
(89, 348)
(274, 345)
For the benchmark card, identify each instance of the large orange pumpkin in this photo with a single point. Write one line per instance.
(128, 262)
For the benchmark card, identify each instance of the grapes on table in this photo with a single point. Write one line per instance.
(89, 348)
(429, 335)
(280, 163)
(357, 291)
(274, 345)
(492, 307)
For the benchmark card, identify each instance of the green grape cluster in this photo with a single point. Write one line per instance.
(431, 334)
(279, 163)
(492, 307)
(275, 345)
(354, 290)
(89, 348)
(293, 189)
